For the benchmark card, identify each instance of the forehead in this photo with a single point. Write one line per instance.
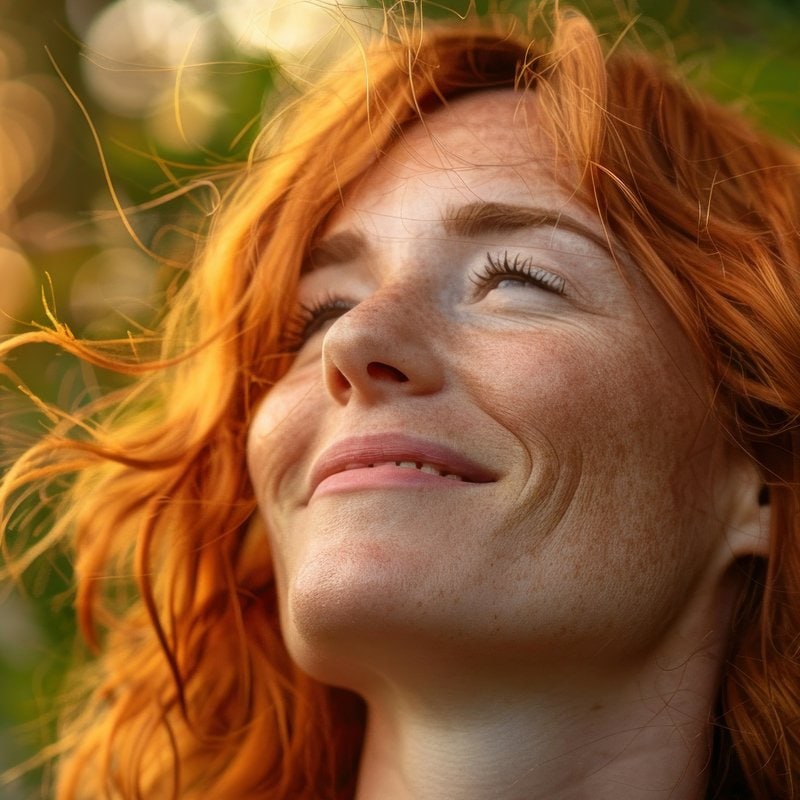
(486, 146)
(499, 127)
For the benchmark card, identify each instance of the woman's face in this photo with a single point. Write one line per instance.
(492, 441)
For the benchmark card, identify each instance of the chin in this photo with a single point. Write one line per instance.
(338, 605)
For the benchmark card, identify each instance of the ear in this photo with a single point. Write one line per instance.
(747, 511)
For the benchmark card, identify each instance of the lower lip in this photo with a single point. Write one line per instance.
(388, 476)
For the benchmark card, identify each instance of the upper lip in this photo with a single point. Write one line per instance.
(361, 451)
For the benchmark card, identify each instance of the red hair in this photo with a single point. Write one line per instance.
(191, 693)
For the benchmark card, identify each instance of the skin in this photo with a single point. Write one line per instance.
(556, 632)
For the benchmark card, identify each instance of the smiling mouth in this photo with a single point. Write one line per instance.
(393, 460)
(421, 466)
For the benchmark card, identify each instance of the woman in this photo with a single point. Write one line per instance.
(503, 342)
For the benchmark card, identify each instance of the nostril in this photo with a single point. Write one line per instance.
(384, 372)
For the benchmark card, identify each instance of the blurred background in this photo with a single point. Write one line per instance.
(131, 105)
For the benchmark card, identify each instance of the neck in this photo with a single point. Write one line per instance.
(645, 734)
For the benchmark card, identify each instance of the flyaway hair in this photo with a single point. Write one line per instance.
(191, 693)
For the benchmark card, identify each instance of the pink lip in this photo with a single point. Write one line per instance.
(346, 464)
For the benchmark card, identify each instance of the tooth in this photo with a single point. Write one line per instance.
(418, 465)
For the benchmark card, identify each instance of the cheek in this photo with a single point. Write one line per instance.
(276, 443)
(643, 425)
(609, 394)
(624, 435)
(646, 447)
(275, 435)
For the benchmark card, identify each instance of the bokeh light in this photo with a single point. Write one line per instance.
(27, 136)
(137, 51)
(17, 281)
(292, 30)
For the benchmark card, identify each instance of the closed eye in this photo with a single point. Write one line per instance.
(312, 319)
(500, 270)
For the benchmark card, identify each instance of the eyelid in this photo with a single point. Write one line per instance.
(308, 318)
(498, 267)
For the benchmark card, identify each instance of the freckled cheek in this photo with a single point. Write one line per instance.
(591, 397)
(640, 435)
(549, 387)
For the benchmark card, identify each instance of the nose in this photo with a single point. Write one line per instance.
(381, 348)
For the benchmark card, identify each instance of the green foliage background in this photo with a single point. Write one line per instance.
(744, 53)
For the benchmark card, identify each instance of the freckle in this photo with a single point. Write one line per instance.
(597, 707)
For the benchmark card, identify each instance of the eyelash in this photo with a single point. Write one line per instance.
(310, 318)
(499, 267)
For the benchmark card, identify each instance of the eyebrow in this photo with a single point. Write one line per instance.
(477, 219)
(469, 221)
(338, 248)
